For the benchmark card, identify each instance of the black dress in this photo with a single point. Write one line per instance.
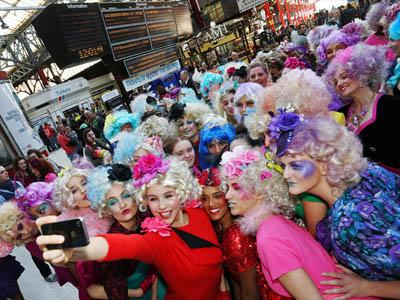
(380, 135)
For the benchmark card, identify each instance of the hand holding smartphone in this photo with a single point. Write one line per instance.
(74, 233)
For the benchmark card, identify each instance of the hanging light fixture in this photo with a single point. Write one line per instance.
(3, 24)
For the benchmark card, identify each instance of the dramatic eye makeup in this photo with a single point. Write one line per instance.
(306, 167)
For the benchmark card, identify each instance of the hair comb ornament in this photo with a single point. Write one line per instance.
(272, 164)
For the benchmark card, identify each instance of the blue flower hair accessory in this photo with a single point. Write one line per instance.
(282, 126)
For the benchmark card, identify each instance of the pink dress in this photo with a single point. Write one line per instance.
(283, 246)
(95, 225)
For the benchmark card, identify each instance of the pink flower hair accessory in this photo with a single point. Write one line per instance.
(265, 175)
(156, 224)
(235, 163)
(294, 62)
(147, 168)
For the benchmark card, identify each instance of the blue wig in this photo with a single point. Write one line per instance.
(97, 186)
(209, 79)
(209, 134)
(187, 95)
(394, 28)
(127, 145)
(119, 119)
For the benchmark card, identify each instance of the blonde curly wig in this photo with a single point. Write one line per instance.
(178, 177)
(157, 126)
(194, 111)
(10, 214)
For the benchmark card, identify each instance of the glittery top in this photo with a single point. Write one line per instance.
(240, 254)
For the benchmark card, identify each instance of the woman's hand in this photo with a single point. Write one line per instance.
(347, 283)
(57, 256)
(96, 250)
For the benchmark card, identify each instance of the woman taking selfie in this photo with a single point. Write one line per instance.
(179, 242)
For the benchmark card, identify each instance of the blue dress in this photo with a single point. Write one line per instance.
(362, 228)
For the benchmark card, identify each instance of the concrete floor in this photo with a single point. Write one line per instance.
(32, 284)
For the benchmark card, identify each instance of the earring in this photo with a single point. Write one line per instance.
(142, 207)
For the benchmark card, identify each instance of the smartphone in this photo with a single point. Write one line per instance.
(74, 231)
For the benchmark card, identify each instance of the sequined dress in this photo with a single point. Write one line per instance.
(240, 254)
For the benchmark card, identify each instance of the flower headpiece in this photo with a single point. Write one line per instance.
(209, 177)
(119, 172)
(156, 224)
(282, 126)
(235, 163)
(147, 168)
(293, 63)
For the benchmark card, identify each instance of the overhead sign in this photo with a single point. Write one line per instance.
(248, 4)
(150, 75)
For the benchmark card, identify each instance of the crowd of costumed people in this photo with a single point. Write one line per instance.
(277, 179)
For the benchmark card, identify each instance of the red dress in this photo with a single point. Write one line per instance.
(240, 255)
(190, 274)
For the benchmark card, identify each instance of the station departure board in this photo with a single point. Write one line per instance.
(157, 58)
(136, 28)
(72, 33)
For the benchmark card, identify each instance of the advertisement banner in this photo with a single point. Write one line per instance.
(15, 122)
(146, 77)
(248, 4)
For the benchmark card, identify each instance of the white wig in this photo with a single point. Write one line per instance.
(63, 199)
(250, 90)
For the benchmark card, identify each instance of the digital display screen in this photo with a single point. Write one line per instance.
(76, 33)
(134, 28)
(72, 33)
(149, 61)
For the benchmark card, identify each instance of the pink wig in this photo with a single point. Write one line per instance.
(303, 90)
(334, 38)
(365, 63)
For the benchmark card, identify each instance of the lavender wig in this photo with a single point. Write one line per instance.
(37, 193)
(334, 38)
(324, 140)
(365, 63)
(318, 33)
(375, 14)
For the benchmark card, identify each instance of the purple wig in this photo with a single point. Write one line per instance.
(37, 193)
(334, 38)
(375, 14)
(318, 33)
(365, 63)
